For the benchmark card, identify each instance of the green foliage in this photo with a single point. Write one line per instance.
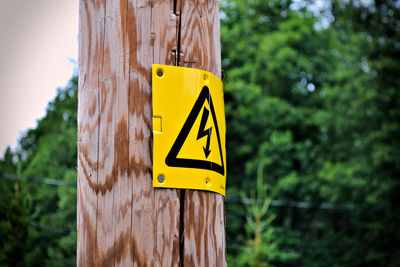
(318, 105)
(38, 221)
(262, 245)
(13, 225)
(64, 253)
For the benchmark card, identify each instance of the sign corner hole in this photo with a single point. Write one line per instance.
(161, 178)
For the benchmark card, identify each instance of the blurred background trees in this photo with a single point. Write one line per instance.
(38, 213)
(312, 94)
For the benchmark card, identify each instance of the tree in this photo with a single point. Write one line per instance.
(318, 104)
(38, 220)
(273, 93)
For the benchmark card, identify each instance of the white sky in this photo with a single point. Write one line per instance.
(38, 45)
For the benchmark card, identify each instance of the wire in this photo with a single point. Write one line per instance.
(228, 199)
(294, 204)
(52, 229)
(38, 180)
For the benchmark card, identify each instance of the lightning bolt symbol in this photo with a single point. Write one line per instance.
(203, 132)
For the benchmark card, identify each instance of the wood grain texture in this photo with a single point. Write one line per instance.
(164, 34)
(90, 55)
(204, 219)
(122, 219)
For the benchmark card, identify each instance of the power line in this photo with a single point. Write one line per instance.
(37, 180)
(294, 204)
(58, 230)
(228, 199)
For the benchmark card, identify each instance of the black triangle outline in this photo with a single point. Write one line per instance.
(173, 161)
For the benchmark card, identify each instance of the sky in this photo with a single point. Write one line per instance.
(38, 53)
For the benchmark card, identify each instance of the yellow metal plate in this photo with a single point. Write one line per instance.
(189, 129)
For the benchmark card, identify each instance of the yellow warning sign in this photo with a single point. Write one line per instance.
(189, 129)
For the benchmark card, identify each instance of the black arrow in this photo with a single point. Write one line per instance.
(203, 132)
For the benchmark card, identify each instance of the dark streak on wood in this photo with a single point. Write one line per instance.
(203, 211)
(182, 227)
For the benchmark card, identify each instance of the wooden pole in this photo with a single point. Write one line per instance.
(122, 219)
